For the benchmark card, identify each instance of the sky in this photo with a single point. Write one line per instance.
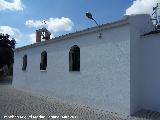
(21, 18)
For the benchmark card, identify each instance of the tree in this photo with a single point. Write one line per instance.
(6, 50)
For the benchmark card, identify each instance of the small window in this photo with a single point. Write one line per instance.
(43, 64)
(74, 58)
(24, 63)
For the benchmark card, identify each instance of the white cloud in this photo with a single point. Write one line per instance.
(32, 37)
(56, 24)
(53, 24)
(34, 23)
(7, 30)
(14, 5)
(13, 32)
(142, 7)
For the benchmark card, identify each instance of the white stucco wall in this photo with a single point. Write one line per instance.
(151, 71)
(139, 25)
(116, 71)
(103, 81)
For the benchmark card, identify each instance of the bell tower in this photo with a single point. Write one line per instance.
(42, 34)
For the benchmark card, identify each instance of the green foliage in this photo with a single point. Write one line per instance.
(6, 50)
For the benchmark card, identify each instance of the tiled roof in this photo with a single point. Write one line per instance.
(78, 33)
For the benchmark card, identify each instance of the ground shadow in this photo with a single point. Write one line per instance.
(6, 80)
(147, 114)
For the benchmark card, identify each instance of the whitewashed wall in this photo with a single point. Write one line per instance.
(139, 25)
(103, 81)
(117, 73)
(151, 71)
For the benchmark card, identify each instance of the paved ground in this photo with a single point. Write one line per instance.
(21, 104)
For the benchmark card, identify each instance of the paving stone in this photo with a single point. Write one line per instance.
(20, 103)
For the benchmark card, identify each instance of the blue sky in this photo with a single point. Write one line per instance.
(21, 18)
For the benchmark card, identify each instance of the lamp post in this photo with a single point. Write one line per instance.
(89, 15)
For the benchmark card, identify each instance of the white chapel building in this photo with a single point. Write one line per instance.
(118, 71)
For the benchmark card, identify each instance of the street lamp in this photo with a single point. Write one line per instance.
(89, 15)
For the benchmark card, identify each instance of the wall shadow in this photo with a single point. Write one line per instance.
(6, 80)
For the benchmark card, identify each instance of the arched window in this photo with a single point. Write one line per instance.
(74, 58)
(43, 64)
(24, 62)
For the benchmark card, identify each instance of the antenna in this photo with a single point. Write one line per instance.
(155, 13)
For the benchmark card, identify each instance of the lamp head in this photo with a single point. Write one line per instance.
(89, 15)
